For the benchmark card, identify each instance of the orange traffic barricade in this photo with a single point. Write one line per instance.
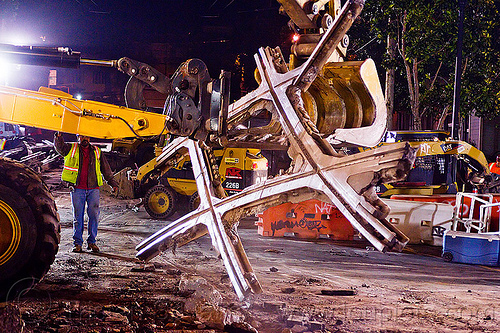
(311, 219)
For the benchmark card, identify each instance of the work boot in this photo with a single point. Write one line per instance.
(93, 247)
(78, 249)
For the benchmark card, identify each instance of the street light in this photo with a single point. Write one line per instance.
(455, 120)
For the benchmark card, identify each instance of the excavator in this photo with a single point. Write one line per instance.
(317, 104)
(442, 166)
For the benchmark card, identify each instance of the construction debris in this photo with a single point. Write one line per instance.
(348, 292)
(10, 318)
(87, 293)
(40, 156)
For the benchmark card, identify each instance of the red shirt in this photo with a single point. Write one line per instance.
(84, 168)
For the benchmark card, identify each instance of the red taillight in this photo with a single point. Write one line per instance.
(255, 165)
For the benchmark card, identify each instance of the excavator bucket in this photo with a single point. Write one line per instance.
(365, 115)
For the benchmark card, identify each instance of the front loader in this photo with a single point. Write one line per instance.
(315, 108)
(164, 191)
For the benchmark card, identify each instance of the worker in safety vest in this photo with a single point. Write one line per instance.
(84, 168)
(495, 166)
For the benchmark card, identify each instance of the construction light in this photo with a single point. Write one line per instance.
(295, 38)
(16, 39)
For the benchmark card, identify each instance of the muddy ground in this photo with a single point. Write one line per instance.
(189, 291)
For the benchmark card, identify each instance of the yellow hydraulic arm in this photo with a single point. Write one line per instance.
(55, 110)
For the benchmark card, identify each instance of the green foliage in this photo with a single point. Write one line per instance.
(426, 33)
(481, 76)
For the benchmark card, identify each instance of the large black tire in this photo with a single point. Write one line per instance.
(194, 201)
(160, 201)
(30, 229)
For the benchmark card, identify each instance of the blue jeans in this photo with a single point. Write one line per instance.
(78, 199)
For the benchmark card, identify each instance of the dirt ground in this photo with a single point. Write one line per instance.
(320, 286)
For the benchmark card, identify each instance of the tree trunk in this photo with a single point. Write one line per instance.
(411, 66)
(415, 105)
(412, 80)
(445, 113)
(389, 82)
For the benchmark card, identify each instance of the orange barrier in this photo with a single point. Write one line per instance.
(307, 220)
(450, 199)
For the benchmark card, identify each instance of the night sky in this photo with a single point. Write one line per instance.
(215, 31)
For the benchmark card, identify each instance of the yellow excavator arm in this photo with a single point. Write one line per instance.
(55, 110)
(192, 96)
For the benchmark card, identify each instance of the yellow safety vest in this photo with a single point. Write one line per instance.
(72, 162)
